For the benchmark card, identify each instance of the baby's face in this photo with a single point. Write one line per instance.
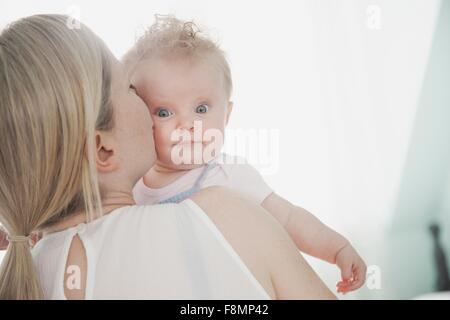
(182, 93)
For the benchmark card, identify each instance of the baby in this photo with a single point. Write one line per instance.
(185, 80)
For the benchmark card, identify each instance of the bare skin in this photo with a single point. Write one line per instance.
(126, 153)
(181, 92)
(260, 241)
(263, 245)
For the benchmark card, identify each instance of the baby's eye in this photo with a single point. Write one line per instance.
(163, 113)
(203, 108)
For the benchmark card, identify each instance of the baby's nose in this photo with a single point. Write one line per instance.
(186, 124)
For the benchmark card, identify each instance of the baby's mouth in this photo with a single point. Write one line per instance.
(186, 142)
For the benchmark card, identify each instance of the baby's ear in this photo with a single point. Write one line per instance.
(229, 109)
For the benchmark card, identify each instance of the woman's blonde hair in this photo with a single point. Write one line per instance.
(55, 87)
(170, 37)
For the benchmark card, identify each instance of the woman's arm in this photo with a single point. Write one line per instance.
(257, 236)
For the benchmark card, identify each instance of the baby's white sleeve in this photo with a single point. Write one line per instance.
(244, 178)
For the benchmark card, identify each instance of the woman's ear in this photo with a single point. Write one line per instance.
(104, 156)
(229, 109)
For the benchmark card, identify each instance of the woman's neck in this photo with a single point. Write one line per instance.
(110, 202)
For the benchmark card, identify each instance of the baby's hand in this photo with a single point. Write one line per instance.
(3, 240)
(35, 237)
(353, 269)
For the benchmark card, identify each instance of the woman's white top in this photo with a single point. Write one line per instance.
(168, 251)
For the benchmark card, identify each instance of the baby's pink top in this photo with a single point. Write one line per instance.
(231, 171)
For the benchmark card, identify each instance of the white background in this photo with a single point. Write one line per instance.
(341, 92)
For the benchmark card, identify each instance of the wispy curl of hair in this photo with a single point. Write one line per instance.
(169, 37)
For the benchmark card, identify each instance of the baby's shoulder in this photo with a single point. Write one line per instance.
(237, 167)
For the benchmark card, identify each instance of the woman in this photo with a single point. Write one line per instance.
(75, 140)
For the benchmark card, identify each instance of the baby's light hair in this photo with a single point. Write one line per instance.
(169, 37)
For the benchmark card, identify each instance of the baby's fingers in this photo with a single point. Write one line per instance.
(354, 284)
(3, 241)
(359, 273)
(346, 272)
(3, 244)
(344, 287)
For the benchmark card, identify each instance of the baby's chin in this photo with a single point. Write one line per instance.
(186, 165)
(181, 166)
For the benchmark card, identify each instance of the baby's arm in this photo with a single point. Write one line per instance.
(35, 237)
(3, 240)
(309, 234)
(316, 239)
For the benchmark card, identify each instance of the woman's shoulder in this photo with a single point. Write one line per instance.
(181, 241)
(125, 222)
(179, 244)
(140, 213)
(136, 224)
(229, 207)
(248, 228)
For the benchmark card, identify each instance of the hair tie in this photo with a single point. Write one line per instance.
(18, 238)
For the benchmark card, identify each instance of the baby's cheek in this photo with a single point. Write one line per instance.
(214, 131)
(161, 134)
(157, 135)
